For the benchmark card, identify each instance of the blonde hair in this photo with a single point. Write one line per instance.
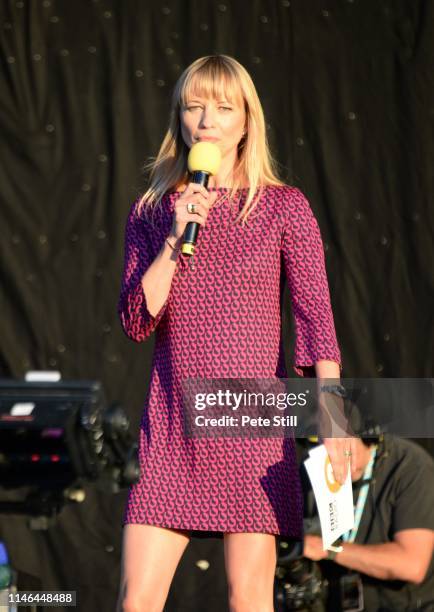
(214, 76)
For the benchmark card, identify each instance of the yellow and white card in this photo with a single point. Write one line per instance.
(334, 501)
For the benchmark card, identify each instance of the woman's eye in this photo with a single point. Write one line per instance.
(194, 107)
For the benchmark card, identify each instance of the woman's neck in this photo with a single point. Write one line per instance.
(219, 182)
(224, 179)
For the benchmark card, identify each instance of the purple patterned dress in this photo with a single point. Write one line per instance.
(223, 320)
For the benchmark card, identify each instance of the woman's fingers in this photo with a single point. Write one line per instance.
(199, 215)
(195, 188)
(335, 453)
(337, 450)
(202, 200)
(197, 193)
(201, 203)
(194, 198)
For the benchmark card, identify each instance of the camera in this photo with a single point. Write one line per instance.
(299, 584)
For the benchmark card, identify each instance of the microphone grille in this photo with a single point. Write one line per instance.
(204, 156)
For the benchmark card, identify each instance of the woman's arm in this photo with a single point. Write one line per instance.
(327, 369)
(157, 280)
(316, 349)
(147, 275)
(138, 320)
(303, 259)
(332, 416)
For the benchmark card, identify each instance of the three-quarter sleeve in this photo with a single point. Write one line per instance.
(303, 257)
(136, 320)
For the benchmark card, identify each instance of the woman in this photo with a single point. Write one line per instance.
(218, 319)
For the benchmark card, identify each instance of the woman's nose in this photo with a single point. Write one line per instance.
(208, 118)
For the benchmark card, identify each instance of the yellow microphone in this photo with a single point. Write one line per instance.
(203, 161)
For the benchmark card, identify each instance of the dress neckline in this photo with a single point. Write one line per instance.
(224, 189)
(216, 189)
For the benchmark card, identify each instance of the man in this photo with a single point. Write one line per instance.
(390, 552)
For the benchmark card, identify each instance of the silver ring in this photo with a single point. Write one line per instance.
(191, 208)
(347, 453)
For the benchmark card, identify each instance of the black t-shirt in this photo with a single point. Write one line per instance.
(400, 496)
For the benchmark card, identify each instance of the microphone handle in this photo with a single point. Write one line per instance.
(192, 229)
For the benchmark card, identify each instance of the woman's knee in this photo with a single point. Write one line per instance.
(249, 596)
(150, 557)
(245, 599)
(250, 567)
(139, 603)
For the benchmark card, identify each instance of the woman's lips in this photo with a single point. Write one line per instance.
(207, 139)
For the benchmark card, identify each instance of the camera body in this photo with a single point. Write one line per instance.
(299, 584)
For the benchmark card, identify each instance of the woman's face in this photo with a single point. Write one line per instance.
(208, 119)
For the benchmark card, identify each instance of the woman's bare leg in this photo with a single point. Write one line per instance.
(150, 556)
(250, 560)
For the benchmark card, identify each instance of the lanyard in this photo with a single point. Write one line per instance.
(350, 536)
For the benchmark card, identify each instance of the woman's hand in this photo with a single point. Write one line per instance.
(201, 198)
(338, 449)
(337, 434)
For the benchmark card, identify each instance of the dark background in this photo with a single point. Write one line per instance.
(347, 87)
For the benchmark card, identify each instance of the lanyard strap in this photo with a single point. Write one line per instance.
(350, 536)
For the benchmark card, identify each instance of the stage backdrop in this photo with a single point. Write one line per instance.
(347, 87)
